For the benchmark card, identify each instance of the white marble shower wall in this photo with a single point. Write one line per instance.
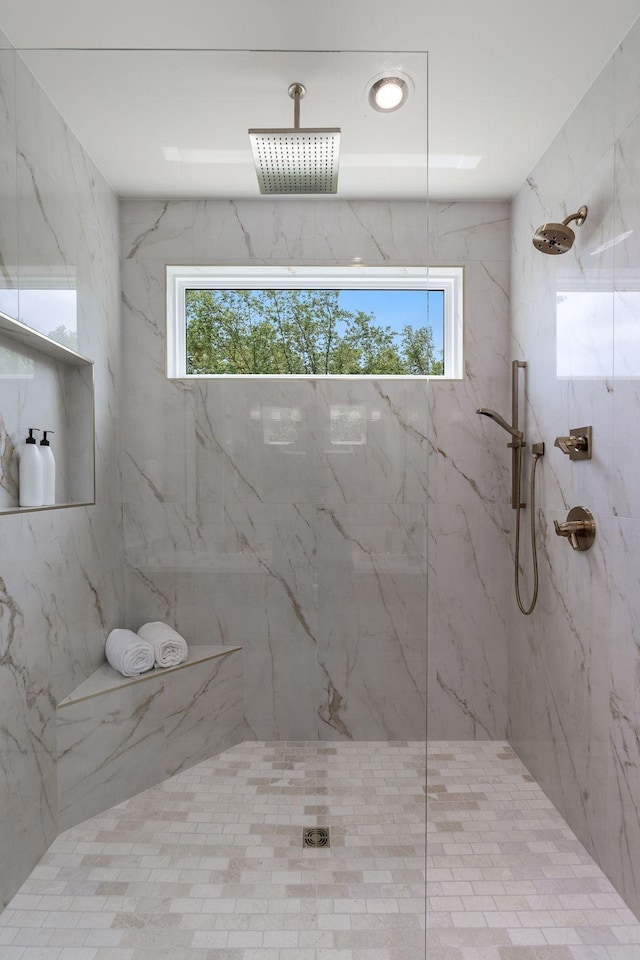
(318, 558)
(61, 580)
(574, 690)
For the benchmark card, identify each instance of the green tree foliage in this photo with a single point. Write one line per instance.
(68, 338)
(297, 331)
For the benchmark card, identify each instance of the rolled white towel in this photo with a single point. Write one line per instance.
(128, 653)
(169, 647)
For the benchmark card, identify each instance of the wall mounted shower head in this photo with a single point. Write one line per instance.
(555, 238)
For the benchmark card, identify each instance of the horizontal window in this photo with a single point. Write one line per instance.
(314, 321)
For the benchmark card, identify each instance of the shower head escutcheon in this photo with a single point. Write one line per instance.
(555, 238)
(296, 159)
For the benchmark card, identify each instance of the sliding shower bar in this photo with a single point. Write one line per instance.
(516, 455)
(517, 446)
(518, 436)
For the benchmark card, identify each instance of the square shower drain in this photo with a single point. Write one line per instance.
(315, 837)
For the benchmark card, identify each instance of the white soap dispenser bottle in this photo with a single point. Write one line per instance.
(48, 471)
(30, 473)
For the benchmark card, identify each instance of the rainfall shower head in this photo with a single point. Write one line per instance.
(555, 238)
(296, 159)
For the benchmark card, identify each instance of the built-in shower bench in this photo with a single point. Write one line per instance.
(119, 735)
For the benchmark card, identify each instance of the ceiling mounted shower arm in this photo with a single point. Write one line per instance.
(296, 92)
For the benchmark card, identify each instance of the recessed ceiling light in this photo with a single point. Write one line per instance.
(388, 93)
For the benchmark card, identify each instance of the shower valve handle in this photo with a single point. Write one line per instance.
(579, 528)
(568, 444)
(578, 445)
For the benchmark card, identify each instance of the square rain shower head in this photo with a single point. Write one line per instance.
(296, 160)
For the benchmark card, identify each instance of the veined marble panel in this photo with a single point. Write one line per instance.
(109, 748)
(295, 230)
(466, 231)
(27, 791)
(61, 571)
(361, 441)
(157, 230)
(204, 712)
(9, 219)
(257, 586)
(578, 146)
(282, 686)
(572, 666)
(622, 858)
(160, 557)
(626, 396)
(627, 81)
(372, 609)
(564, 647)
(468, 458)
(76, 613)
(46, 251)
(469, 623)
(159, 441)
(49, 145)
(257, 441)
(267, 462)
(243, 231)
(376, 231)
(7, 84)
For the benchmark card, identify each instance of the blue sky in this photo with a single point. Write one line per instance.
(397, 308)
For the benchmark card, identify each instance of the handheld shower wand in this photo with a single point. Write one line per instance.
(517, 444)
(515, 433)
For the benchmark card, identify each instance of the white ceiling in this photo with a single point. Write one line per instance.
(504, 75)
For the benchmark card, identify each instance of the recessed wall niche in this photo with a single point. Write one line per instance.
(46, 385)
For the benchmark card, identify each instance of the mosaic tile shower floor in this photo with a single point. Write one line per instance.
(209, 865)
(506, 877)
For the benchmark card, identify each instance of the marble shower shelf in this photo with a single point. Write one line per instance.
(46, 385)
(116, 735)
(26, 336)
(105, 679)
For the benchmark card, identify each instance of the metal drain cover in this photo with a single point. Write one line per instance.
(315, 837)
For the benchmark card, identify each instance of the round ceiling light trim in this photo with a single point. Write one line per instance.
(388, 91)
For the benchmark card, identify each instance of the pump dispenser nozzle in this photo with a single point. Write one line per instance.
(31, 438)
(48, 470)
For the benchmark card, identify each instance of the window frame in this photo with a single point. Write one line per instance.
(179, 279)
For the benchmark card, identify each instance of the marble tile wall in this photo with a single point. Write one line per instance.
(573, 667)
(321, 561)
(470, 569)
(61, 578)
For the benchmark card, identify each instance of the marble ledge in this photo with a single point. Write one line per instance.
(105, 679)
